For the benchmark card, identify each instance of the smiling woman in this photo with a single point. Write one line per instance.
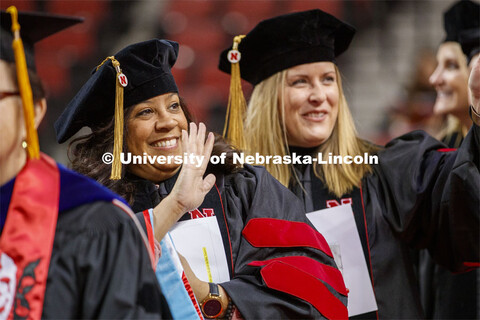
(310, 96)
(415, 197)
(155, 127)
(446, 295)
(310, 124)
(67, 243)
(450, 79)
(249, 215)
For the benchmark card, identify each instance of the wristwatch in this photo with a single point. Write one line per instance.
(212, 305)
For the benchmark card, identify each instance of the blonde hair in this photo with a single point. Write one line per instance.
(265, 133)
(450, 126)
(452, 123)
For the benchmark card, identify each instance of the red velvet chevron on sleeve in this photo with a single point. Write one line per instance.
(268, 232)
(321, 271)
(304, 286)
(306, 276)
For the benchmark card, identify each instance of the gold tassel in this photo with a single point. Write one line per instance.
(237, 106)
(33, 149)
(120, 82)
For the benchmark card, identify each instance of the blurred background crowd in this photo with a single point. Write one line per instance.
(385, 71)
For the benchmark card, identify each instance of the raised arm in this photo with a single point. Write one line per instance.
(191, 186)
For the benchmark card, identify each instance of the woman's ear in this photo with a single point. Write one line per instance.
(40, 110)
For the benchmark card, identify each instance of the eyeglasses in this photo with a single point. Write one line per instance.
(4, 95)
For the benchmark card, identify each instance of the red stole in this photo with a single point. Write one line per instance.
(27, 239)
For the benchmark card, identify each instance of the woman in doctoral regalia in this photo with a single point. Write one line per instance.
(67, 244)
(446, 295)
(417, 196)
(263, 231)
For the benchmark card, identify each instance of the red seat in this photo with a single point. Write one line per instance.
(201, 35)
(89, 9)
(79, 41)
(261, 8)
(54, 74)
(211, 76)
(25, 5)
(82, 36)
(254, 11)
(195, 101)
(180, 76)
(195, 8)
(332, 7)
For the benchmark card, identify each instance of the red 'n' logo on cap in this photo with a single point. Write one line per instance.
(234, 56)
(123, 80)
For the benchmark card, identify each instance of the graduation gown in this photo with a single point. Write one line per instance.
(97, 247)
(279, 266)
(446, 295)
(416, 197)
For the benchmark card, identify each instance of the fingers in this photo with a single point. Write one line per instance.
(196, 138)
(192, 138)
(185, 141)
(207, 150)
(194, 143)
(209, 144)
(208, 182)
(201, 138)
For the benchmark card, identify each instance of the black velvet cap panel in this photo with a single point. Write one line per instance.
(34, 26)
(147, 66)
(470, 41)
(463, 15)
(286, 41)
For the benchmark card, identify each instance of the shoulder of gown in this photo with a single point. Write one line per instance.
(431, 195)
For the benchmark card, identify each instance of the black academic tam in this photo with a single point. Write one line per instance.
(285, 41)
(34, 27)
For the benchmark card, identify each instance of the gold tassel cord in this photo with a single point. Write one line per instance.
(237, 106)
(33, 149)
(120, 83)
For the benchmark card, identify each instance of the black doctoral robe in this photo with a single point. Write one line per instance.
(416, 197)
(446, 295)
(274, 273)
(100, 267)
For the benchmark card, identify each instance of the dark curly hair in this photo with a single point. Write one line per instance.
(85, 154)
